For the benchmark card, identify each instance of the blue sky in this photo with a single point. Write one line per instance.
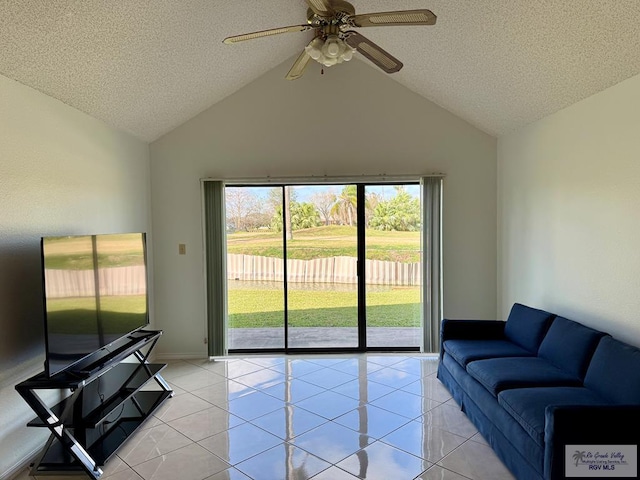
(305, 192)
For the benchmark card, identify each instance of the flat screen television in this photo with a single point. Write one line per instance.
(95, 293)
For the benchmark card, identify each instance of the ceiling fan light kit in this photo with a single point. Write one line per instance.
(334, 41)
(330, 51)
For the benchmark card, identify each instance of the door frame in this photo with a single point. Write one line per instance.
(361, 266)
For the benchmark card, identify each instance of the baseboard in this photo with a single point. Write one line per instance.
(200, 356)
(21, 465)
(180, 356)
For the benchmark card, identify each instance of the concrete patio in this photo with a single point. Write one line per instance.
(322, 337)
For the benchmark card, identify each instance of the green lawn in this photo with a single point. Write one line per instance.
(254, 307)
(78, 314)
(76, 253)
(331, 241)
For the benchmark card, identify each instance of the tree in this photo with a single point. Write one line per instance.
(303, 215)
(345, 207)
(371, 202)
(287, 212)
(240, 203)
(275, 201)
(323, 202)
(275, 197)
(401, 213)
(254, 221)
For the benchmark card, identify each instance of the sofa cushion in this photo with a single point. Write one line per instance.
(527, 326)
(614, 372)
(527, 405)
(497, 374)
(495, 423)
(465, 351)
(570, 346)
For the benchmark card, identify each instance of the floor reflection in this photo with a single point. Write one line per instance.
(349, 412)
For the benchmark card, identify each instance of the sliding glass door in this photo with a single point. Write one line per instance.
(393, 268)
(255, 269)
(323, 267)
(322, 258)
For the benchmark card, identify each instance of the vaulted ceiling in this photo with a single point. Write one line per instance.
(147, 66)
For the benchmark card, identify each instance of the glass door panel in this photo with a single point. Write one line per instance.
(255, 268)
(393, 266)
(322, 281)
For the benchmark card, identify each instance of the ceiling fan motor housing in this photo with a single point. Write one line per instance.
(338, 6)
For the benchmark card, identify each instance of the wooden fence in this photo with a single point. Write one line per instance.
(132, 280)
(321, 270)
(81, 283)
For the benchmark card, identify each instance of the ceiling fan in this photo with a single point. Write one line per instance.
(335, 41)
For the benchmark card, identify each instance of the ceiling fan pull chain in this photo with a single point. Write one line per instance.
(322, 71)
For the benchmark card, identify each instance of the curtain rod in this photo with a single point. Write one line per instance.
(316, 179)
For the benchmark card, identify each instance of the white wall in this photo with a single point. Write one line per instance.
(61, 172)
(569, 213)
(352, 120)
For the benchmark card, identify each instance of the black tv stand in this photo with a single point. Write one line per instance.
(106, 405)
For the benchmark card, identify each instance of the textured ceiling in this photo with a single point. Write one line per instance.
(147, 66)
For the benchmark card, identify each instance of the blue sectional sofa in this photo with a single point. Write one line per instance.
(538, 382)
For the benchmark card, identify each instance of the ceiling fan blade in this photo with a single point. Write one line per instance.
(298, 66)
(400, 17)
(373, 52)
(322, 8)
(266, 33)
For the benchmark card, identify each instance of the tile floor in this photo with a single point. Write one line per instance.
(344, 417)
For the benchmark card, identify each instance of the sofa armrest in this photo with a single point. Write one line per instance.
(471, 329)
(586, 425)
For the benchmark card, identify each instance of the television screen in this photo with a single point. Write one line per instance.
(95, 292)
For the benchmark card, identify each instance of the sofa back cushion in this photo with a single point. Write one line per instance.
(614, 372)
(527, 326)
(570, 346)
